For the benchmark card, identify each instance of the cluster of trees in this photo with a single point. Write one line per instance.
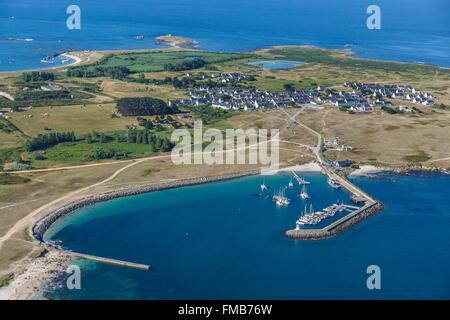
(209, 114)
(37, 76)
(156, 125)
(186, 65)
(143, 106)
(97, 137)
(441, 106)
(43, 95)
(345, 109)
(111, 72)
(146, 123)
(184, 83)
(188, 82)
(156, 143)
(289, 87)
(389, 110)
(44, 141)
(177, 83)
(6, 126)
(106, 153)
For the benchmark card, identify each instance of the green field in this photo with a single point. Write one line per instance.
(79, 119)
(81, 152)
(154, 61)
(96, 112)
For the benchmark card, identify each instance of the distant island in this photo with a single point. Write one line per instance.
(176, 41)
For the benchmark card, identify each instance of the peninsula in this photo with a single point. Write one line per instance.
(78, 135)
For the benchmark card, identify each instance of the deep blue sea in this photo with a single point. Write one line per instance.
(411, 30)
(219, 241)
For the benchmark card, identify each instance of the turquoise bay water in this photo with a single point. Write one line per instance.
(277, 64)
(219, 241)
(411, 30)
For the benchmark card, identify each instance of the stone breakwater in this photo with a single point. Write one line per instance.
(41, 227)
(325, 233)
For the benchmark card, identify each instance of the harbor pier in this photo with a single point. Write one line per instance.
(109, 261)
(370, 207)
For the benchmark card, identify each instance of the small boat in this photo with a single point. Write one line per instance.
(302, 219)
(280, 199)
(264, 186)
(282, 202)
(303, 181)
(291, 184)
(304, 194)
(47, 60)
(334, 183)
(139, 37)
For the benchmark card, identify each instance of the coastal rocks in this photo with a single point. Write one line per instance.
(175, 42)
(368, 171)
(44, 224)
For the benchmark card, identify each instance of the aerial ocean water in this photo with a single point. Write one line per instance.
(411, 30)
(219, 241)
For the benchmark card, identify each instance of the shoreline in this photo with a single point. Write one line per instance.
(39, 228)
(184, 43)
(370, 170)
(28, 284)
(44, 268)
(44, 224)
(73, 55)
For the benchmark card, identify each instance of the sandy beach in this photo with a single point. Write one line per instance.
(77, 60)
(307, 167)
(79, 57)
(366, 170)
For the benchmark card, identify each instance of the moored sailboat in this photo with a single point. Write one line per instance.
(304, 194)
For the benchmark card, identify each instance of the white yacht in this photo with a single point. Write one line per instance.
(291, 184)
(304, 194)
(334, 183)
(302, 181)
(280, 199)
(264, 186)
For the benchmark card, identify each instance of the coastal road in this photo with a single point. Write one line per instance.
(6, 95)
(316, 149)
(71, 167)
(441, 159)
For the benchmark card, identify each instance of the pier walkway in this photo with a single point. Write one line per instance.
(355, 190)
(348, 217)
(299, 180)
(109, 261)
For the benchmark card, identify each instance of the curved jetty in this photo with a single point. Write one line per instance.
(370, 207)
(41, 227)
